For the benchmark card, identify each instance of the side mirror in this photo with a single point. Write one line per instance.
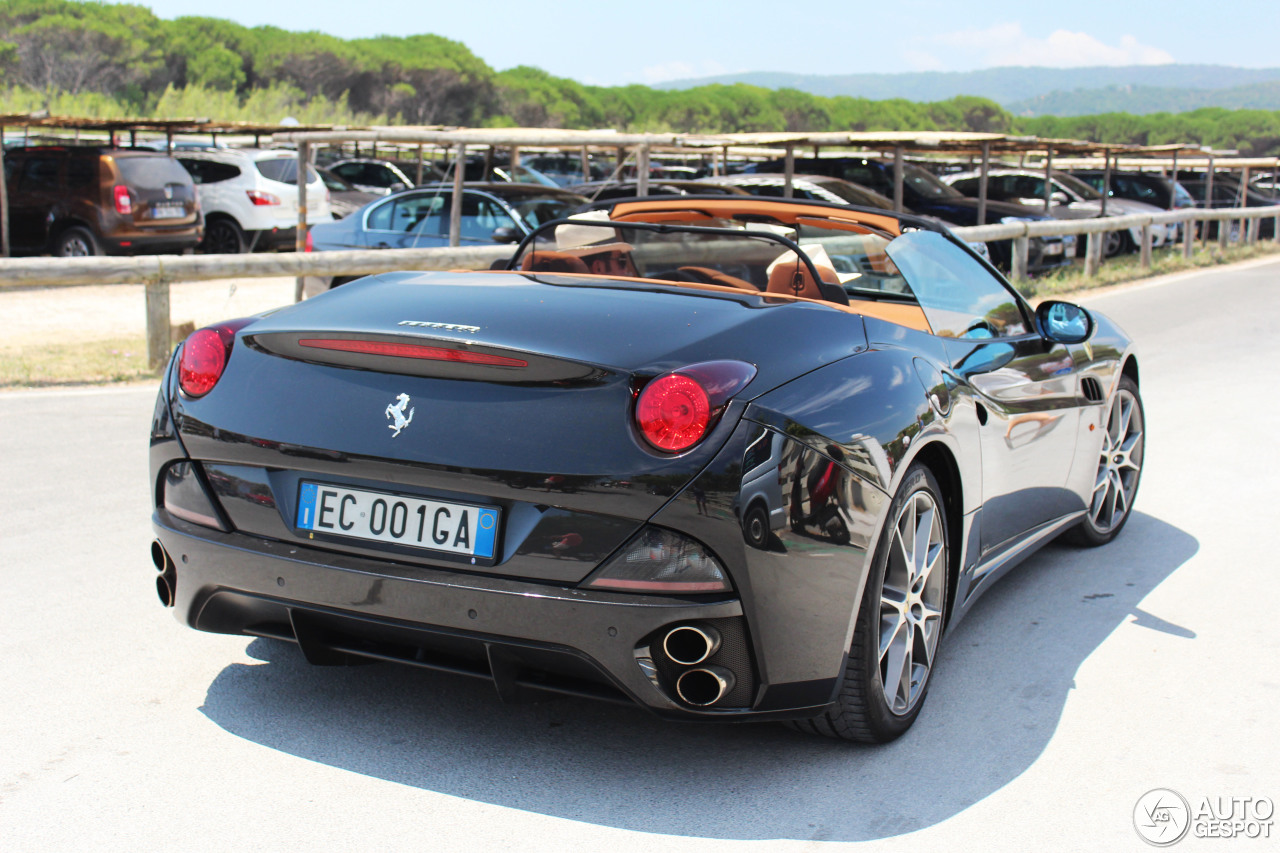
(1064, 323)
(505, 234)
(396, 186)
(1059, 198)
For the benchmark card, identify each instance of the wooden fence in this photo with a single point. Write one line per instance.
(157, 272)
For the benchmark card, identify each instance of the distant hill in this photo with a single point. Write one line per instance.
(1136, 89)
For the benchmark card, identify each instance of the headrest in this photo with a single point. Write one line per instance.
(792, 278)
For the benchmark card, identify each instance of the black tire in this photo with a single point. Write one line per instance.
(222, 236)
(755, 527)
(1119, 469)
(1117, 243)
(862, 712)
(76, 242)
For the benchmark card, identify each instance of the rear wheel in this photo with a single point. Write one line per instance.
(899, 623)
(222, 237)
(755, 526)
(1119, 468)
(76, 242)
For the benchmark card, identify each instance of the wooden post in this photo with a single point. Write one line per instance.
(982, 183)
(1188, 237)
(1092, 254)
(725, 161)
(418, 177)
(487, 175)
(158, 343)
(586, 165)
(455, 211)
(642, 171)
(300, 237)
(715, 164)
(1021, 249)
(1145, 251)
(1048, 183)
(1208, 203)
(897, 181)
(168, 142)
(1246, 225)
(789, 173)
(1106, 180)
(515, 157)
(1173, 188)
(4, 204)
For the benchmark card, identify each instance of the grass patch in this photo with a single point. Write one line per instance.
(80, 363)
(1128, 268)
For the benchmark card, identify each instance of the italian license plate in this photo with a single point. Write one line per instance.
(1053, 248)
(453, 528)
(176, 210)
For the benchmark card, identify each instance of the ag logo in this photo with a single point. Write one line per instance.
(1161, 817)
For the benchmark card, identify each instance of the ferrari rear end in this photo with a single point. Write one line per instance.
(533, 480)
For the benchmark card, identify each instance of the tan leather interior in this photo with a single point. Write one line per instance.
(794, 279)
(707, 275)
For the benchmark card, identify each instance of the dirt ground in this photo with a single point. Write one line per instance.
(48, 314)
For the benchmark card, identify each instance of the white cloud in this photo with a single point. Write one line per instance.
(681, 70)
(1007, 44)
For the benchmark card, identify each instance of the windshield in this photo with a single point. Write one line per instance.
(152, 173)
(927, 185)
(1077, 186)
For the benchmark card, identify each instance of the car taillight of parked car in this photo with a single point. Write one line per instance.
(675, 411)
(123, 202)
(261, 199)
(204, 356)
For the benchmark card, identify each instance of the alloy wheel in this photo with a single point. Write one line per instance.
(911, 602)
(1119, 463)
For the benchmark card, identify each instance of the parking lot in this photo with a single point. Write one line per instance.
(1082, 681)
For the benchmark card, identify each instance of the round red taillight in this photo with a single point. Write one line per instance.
(673, 412)
(204, 357)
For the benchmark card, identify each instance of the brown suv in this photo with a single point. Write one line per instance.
(71, 201)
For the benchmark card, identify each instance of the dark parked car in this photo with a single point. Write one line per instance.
(606, 190)
(82, 200)
(383, 176)
(1146, 187)
(812, 187)
(1228, 193)
(744, 460)
(345, 197)
(923, 193)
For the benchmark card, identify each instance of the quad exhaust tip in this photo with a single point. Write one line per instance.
(167, 580)
(705, 685)
(690, 645)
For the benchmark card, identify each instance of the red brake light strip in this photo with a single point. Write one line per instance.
(413, 351)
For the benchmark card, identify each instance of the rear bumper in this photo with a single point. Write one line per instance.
(515, 633)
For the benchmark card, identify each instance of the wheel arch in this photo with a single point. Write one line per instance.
(62, 223)
(941, 462)
(1130, 369)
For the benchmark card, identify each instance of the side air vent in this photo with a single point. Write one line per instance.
(1092, 389)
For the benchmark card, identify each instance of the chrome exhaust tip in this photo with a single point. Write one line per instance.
(704, 686)
(167, 580)
(689, 645)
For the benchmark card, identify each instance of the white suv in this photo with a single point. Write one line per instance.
(250, 197)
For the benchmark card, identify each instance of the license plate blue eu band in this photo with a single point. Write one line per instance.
(169, 211)
(419, 523)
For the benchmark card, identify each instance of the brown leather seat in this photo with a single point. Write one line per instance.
(707, 275)
(792, 278)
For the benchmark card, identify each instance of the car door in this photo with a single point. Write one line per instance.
(1024, 387)
(409, 221)
(35, 192)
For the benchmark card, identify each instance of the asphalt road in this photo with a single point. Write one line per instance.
(1085, 679)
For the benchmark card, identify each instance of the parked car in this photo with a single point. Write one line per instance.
(1071, 198)
(1155, 190)
(530, 476)
(565, 170)
(250, 198)
(84, 200)
(1227, 193)
(344, 197)
(926, 195)
(604, 190)
(383, 176)
(814, 187)
(419, 219)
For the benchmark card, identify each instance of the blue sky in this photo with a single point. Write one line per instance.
(610, 43)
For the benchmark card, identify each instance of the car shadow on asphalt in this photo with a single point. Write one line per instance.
(1004, 676)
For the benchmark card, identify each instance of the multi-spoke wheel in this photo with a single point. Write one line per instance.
(896, 638)
(1119, 468)
(76, 242)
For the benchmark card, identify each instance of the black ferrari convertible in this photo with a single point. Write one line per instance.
(725, 458)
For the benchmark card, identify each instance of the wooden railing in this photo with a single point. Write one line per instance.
(157, 272)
